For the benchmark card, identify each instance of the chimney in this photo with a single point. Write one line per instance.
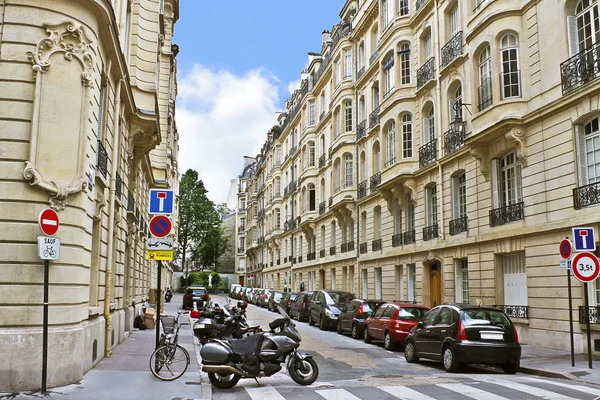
(326, 36)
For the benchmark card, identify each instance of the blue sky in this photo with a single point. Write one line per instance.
(237, 63)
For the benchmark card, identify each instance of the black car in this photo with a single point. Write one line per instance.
(274, 300)
(458, 334)
(353, 317)
(300, 308)
(326, 306)
(194, 294)
(286, 301)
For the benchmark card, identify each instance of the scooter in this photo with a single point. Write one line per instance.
(259, 355)
(168, 295)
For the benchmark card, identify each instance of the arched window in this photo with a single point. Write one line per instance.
(407, 136)
(322, 195)
(455, 98)
(431, 205)
(376, 158)
(388, 75)
(429, 125)
(363, 166)
(277, 186)
(485, 79)
(338, 123)
(347, 116)
(405, 63)
(311, 197)
(510, 76)
(377, 222)
(277, 218)
(588, 26)
(348, 168)
(390, 138)
(311, 154)
(338, 175)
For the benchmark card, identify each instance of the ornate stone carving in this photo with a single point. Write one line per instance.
(481, 154)
(516, 140)
(57, 191)
(411, 185)
(101, 202)
(431, 256)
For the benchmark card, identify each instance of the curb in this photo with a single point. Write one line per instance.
(205, 385)
(554, 374)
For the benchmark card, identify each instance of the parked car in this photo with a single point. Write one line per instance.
(254, 295)
(326, 306)
(197, 294)
(234, 290)
(247, 295)
(392, 323)
(300, 308)
(274, 300)
(286, 301)
(353, 317)
(457, 334)
(262, 299)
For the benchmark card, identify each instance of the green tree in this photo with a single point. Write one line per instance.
(216, 280)
(215, 244)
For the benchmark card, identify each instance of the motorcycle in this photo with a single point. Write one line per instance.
(168, 295)
(223, 323)
(259, 355)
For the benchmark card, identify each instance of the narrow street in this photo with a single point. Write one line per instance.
(351, 369)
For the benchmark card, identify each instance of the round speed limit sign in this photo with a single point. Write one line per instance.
(586, 267)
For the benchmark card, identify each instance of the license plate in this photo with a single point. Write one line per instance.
(200, 326)
(492, 336)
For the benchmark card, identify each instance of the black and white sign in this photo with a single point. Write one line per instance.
(48, 248)
(159, 244)
(586, 267)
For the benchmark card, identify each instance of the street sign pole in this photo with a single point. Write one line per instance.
(571, 319)
(158, 279)
(45, 326)
(587, 324)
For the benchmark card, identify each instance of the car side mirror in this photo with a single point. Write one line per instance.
(420, 325)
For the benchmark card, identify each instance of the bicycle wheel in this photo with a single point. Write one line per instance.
(169, 362)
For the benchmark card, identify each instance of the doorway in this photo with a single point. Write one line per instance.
(322, 279)
(435, 285)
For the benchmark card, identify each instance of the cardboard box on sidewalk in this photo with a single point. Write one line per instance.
(149, 318)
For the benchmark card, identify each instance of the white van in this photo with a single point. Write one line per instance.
(233, 288)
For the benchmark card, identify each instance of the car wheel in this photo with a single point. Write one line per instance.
(322, 323)
(410, 353)
(339, 328)
(388, 343)
(511, 368)
(366, 336)
(451, 363)
(355, 332)
(310, 320)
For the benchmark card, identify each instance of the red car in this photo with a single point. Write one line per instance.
(392, 322)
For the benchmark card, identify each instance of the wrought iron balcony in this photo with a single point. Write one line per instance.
(330, 201)
(373, 57)
(362, 190)
(332, 251)
(478, 5)
(130, 202)
(515, 311)
(343, 247)
(426, 73)
(390, 162)
(454, 140)
(261, 240)
(322, 161)
(459, 225)
(591, 314)
(409, 237)
(428, 153)
(360, 72)
(279, 261)
(419, 4)
(285, 191)
(587, 195)
(396, 240)
(504, 215)
(285, 259)
(102, 160)
(294, 260)
(137, 213)
(322, 208)
(430, 232)
(322, 253)
(311, 256)
(338, 188)
(271, 264)
(375, 180)
(299, 259)
(363, 248)
(452, 49)
(374, 118)
(330, 152)
(485, 94)
(118, 186)
(376, 245)
(343, 31)
(241, 228)
(292, 187)
(360, 129)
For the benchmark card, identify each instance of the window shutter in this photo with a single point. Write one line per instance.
(580, 155)
(425, 131)
(572, 35)
(495, 184)
(451, 103)
(458, 288)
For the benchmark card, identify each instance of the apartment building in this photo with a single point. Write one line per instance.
(241, 222)
(87, 127)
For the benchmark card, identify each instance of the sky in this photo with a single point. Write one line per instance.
(239, 61)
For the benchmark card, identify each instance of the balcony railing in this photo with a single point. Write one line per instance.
(452, 49)
(430, 232)
(102, 160)
(428, 153)
(459, 225)
(350, 245)
(376, 245)
(299, 259)
(343, 247)
(130, 202)
(587, 195)
(332, 251)
(374, 181)
(361, 129)
(322, 208)
(409, 237)
(454, 140)
(330, 202)
(396, 240)
(374, 118)
(591, 314)
(478, 5)
(515, 311)
(322, 161)
(285, 259)
(390, 162)
(504, 215)
(118, 186)
(485, 94)
(294, 260)
(426, 73)
(322, 253)
(580, 69)
(373, 57)
(362, 190)
(360, 72)
(363, 248)
(311, 256)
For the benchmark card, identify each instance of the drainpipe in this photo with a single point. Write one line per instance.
(111, 222)
(438, 95)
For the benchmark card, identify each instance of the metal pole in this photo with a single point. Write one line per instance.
(571, 319)
(587, 324)
(157, 313)
(45, 326)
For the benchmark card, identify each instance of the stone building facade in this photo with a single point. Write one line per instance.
(438, 151)
(87, 127)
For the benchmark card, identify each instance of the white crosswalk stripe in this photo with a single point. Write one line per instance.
(337, 394)
(578, 388)
(544, 394)
(264, 393)
(405, 393)
(471, 391)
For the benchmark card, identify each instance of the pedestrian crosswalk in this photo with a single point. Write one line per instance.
(474, 387)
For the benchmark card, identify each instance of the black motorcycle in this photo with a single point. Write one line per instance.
(223, 323)
(168, 295)
(259, 355)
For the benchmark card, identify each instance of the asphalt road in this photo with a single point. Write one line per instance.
(351, 369)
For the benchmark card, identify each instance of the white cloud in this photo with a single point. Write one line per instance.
(222, 117)
(293, 85)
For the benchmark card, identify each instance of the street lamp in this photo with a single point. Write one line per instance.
(458, 125)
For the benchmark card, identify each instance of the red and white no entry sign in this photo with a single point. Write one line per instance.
(586, 267)
(48, 221)
(160, 226)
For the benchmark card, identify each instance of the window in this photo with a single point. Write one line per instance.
(333, 234)
(378, 284)
(333, 283)
(485, 79)
(456, 110)
(241, 244)
(322, 103)
(397, 217)
(588, 26)
(348, 168)
(376, 158)
(387, 13)
(348, 116)
(403, 7)
(461, 273)
(322, 237)
(412, 282)
(311, 112)
(101, 111)
(364, 284)
(400, 282)
(312, 200)
(277, 218)
(388, 75)
(361, 55)
(454, 22)
(407, 145)
(377, 223)
(432, 207)
(428, 47)
(311, 154)
(363, 226)
(338, 123)
(347, 63)
(391, 143)
(242, 223)
(338, 71)
(242, 204)
(338, 175)
(375, 93)
(459, 196)
(515, 279)
(410, 213)
(508, 180)
(429, 125)
(405, 63)
(510, 76)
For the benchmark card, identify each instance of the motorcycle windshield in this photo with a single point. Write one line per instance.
(282, 312)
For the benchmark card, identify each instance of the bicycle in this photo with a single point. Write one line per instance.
(169, 361)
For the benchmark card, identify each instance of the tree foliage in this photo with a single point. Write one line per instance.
(214, 245)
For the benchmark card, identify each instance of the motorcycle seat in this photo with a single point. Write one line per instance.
(278, 323)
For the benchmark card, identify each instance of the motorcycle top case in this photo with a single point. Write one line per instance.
(215, 354)
(206, 328)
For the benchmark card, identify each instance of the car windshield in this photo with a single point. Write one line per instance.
(485, 317)
(411, 314)
(371, 305)
(338, 298)
(293, 296)
(278, 295)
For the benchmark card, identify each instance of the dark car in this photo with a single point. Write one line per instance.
(326, 306)
(458, 334)
(274, 300)
(392, 323)
(262, 298)
(300, 308)
(286, 301)
(353, 317)
(197, 294)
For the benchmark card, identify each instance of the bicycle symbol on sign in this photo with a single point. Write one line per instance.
(49, 252)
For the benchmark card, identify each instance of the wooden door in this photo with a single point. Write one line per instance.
(435, 283)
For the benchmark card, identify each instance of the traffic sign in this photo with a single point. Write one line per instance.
(162, 201)
(48, 248)
(584, 239)
(586, 267)
(565, 265)
(159, 244)
(565, 249)
(48, 221)
(159, 255)
(160, 226)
